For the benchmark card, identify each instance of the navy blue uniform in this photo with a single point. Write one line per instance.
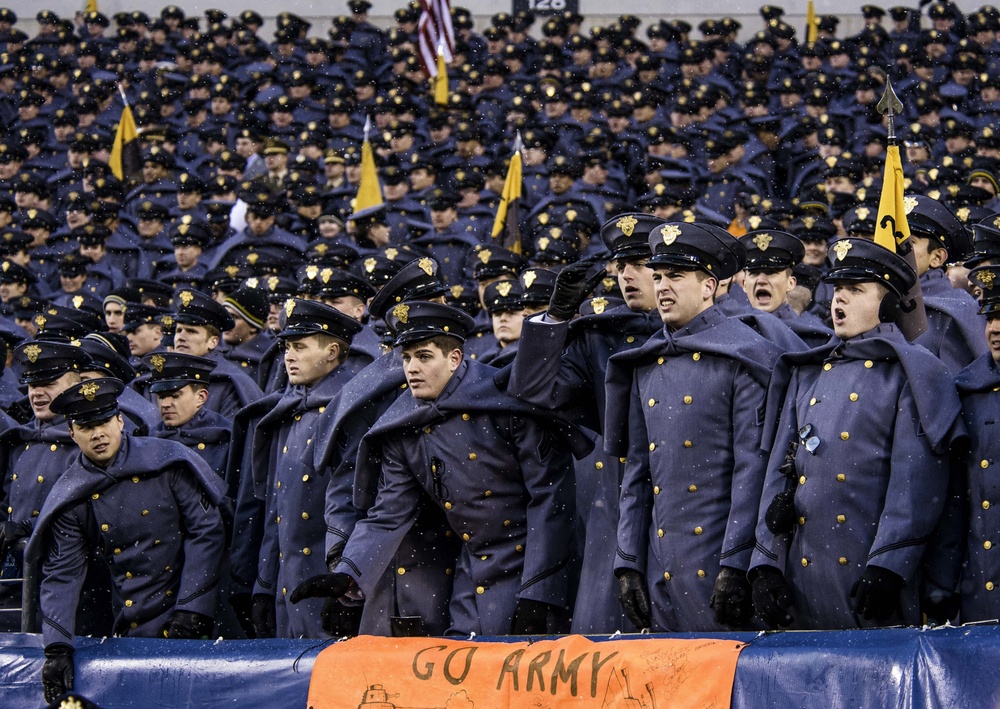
(503, 483)
(684, 410)
(562, 366)
(294, 529)
(153, 516)
(884, 412)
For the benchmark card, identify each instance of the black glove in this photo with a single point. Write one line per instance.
(876, 593)
(190, 626)
(530, 618)
(340, 620)
(771, 596)
(243, 608)
(731, 598)
(322, 586)
(572, 287)
(780, 515)
(57, 672)
(265, 625)
(10, 534)
(634, 597)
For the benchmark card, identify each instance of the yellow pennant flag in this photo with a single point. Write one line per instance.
(891, 228)
(507, 222)
(441, 80)
(369, 189)
(90, 6)
(125, 159)
(812, 23)
(892, 231)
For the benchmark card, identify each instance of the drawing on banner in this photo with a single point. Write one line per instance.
(619, 696)
(376, 697)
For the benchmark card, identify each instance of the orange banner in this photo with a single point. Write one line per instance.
(572, 671)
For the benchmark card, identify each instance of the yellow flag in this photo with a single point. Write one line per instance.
(891, 228)
(91, 6)
(125, 159)
(441, 81)
(369, 189)
(812, 23)
(507, 221)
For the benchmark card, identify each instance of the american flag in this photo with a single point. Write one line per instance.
(435, 30)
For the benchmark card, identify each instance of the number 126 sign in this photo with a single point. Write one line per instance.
(547, 7)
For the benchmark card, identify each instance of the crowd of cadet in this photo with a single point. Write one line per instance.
(235, 404)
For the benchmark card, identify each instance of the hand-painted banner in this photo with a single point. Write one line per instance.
(430, 673)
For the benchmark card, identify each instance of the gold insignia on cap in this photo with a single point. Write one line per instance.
(986, 278)
(670, 232)
(909, 203)
(485, 255)
(289, 307)
(529, 278)
(186, 297)
(53, 311)
(370, 264)
(556, 232)
(962, 213)
(77, 301)
(426, 265)
(841, 248)
(252, 258)
(401, 312)
(456, 291)
(326, 274)
(157, 361)
(862, 212)
(390, 253)
(753, 221)
(252, 283)
(543, 218)
(183, 229)
(89, 390)
(5, 266)
(762, 241)
(32, 352)
(599, 304)
(272, 282)
(39, 322)
(167, 321)
(627, 225)
(503, 288)
(543, 243)
(571, 215)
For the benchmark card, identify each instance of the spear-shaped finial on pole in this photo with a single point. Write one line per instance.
(889, 106)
